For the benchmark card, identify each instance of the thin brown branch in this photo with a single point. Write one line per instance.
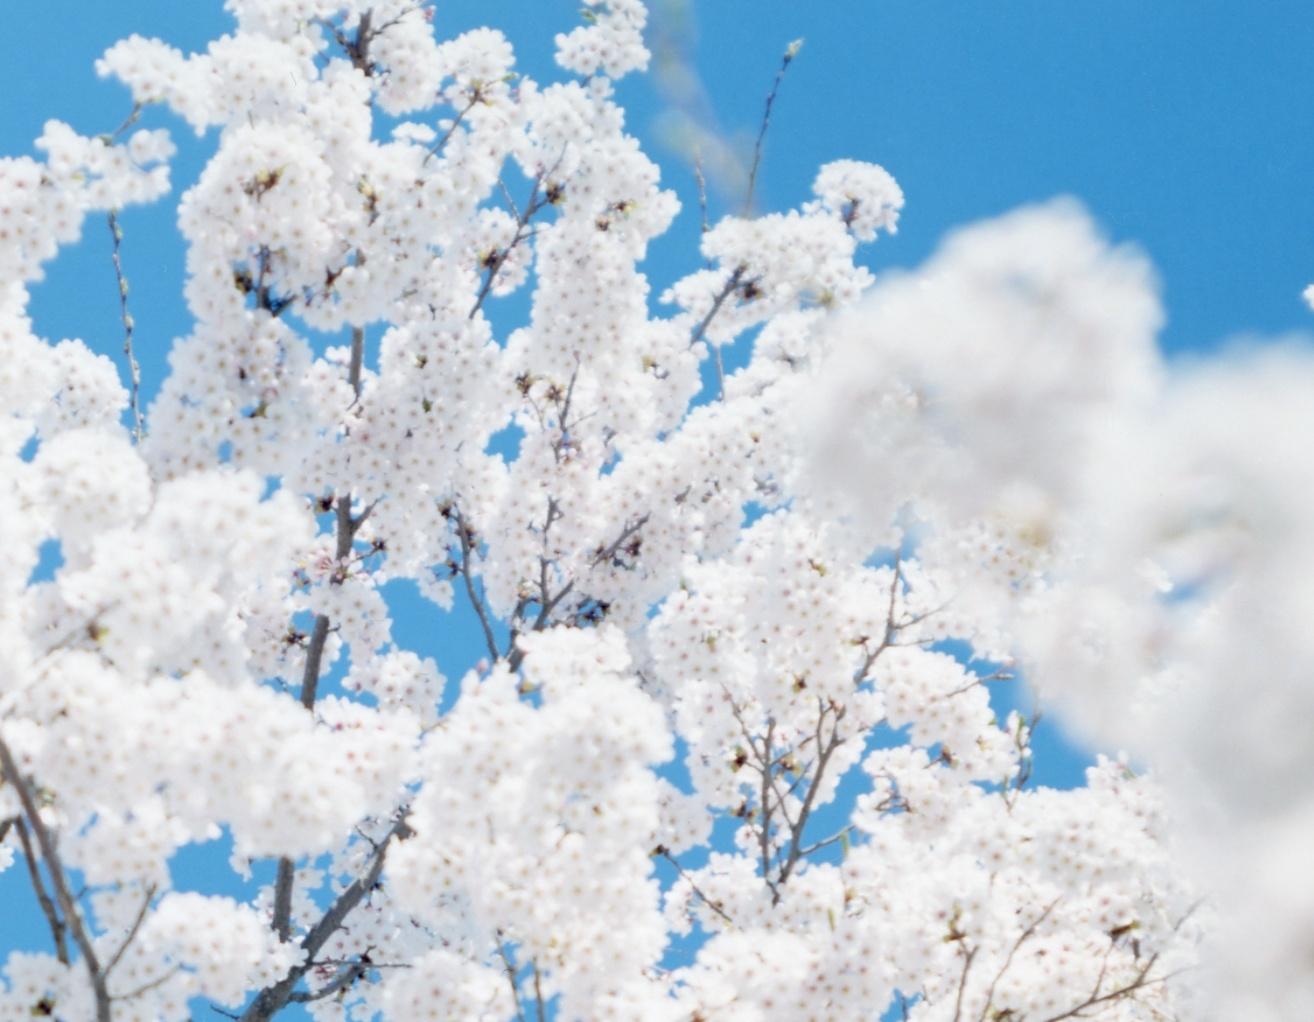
(274, 998)
(438, 146)
(342, 979)
(538, 996)
(497, 259)
(732, 283)
(764, 831)
(1026, 935)
(962, 983)
(55, 869)
(702, 193)
(510, 971)
(1141, 981)
(149, 985)
(827, 750)
(715, 906)
(608, 553)
(356, 365)
(816, 846)
(53, 922)
(134, 368)
(791, 51)
(133, 930)
(465, 537)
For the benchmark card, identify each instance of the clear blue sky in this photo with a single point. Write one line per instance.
(1184, 125)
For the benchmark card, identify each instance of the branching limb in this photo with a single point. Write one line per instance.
(510, 970)
(968, 958)
(732, 284)
(538, 996)
(72, 919)
(1026, 935)
(827, 750)
(345, 977)
(497, 259)
(465, 536)
(1141, 980)
(53, 921)
(274, 998)
(715, 906)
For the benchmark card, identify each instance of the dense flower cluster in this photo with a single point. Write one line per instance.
(734, 751)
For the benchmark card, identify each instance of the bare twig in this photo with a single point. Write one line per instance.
(498, 257)
(702, 193)
(437, 147)
(608, 553)
(72, 919)
(816, 846)
(1139, 982)
(133, 930)
(48, 909)
(715, 906)
(538, 996)
(134, 368)
(732, 282)
(1026, 935)
(464, 536)
(273, 998)
(791, 51)
(149, 985)
(345, 977)
(510, 971)
(962, 983)
(827, 750)
(346, 528)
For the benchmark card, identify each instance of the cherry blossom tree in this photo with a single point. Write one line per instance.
(730, 753)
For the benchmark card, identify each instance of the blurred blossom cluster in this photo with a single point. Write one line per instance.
(725, 757)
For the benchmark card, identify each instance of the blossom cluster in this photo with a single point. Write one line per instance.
(735, 746)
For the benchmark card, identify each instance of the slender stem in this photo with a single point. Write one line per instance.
(823, 760)
(463, 535)
(962, 984)
(788, 58)
(345, 977)
(731, 283)
(150, 984)
(715, 906)
(357, 362)
(437, 147)
(42, 896)
(346, 528)
(702, 192)
(55, 868)
(274, 998)
(134, 368)
(1008, 960)
(510, 971)
(133, 930)
(538, 996)
(498, 259)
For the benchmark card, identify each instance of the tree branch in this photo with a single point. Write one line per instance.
(55, 868)
(791, 51)
(510, 971)
(48, 909)
(134, 368)
(132, 931)
(274, 998)
(715, 906)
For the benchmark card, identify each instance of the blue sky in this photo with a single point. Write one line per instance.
(1184, 125)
